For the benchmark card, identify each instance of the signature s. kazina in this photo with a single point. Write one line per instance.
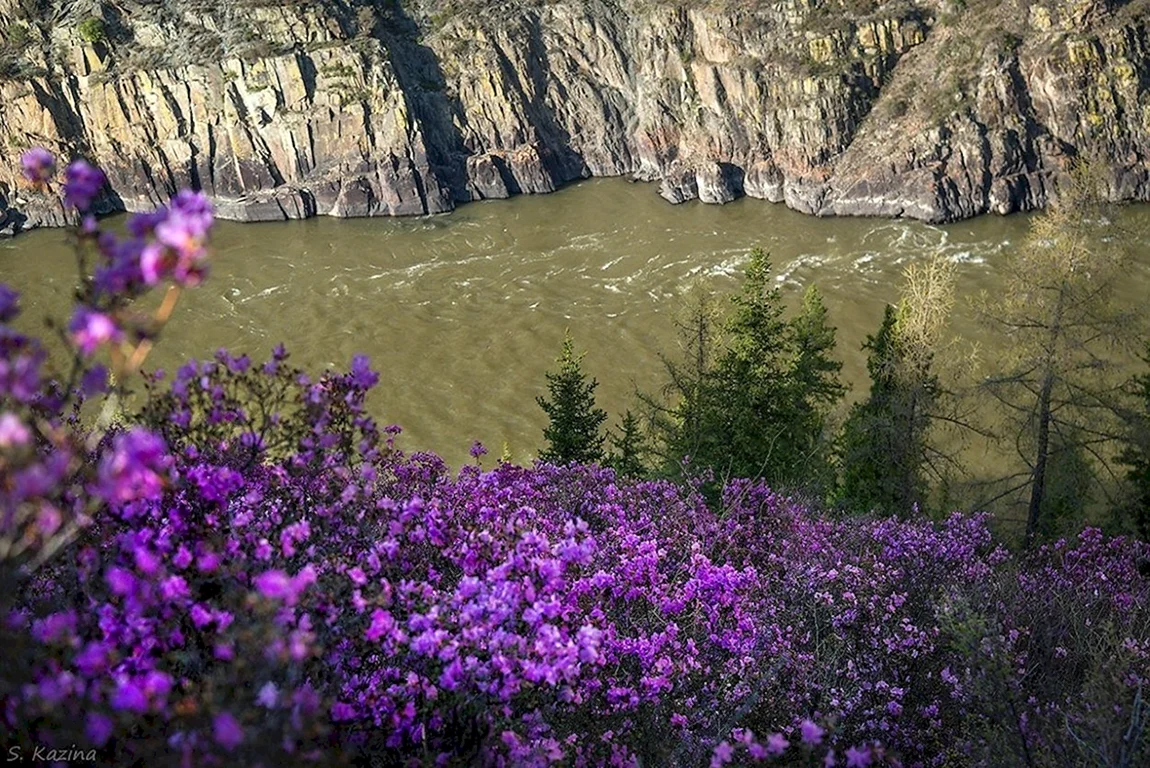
(43, 754)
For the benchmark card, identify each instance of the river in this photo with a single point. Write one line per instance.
(463, 313)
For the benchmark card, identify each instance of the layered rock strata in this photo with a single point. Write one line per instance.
(931, 109)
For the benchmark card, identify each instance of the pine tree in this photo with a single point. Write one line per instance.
(748, 408)
(750, 396)
(572, 432)
(772, 387)
(627, 447)
(883, 450)
(814, 379)
(679, 419)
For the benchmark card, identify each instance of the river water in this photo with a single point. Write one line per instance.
(463, 313)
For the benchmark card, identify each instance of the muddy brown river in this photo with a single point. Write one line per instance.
(462, 313)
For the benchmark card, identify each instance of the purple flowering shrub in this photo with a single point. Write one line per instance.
(247, 571)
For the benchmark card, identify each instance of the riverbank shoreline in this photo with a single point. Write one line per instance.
(299, 204)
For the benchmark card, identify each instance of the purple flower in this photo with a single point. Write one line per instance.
(38, 165)
(722, 755)
(174, 588)
(135, 468)
(129, 697)
(99, 729)
(9, 303)
(13, 431)
(141, 225)
(478, 450)
(275, 585)
(268, 696)
(382, 623)
(82, 182)
(361, 374)
(54, 627)
(120, 273)
(120, 581)
(92, 660)
(157, 685)
(94, 381)
(90, 329)
(48, 520)
(812, 734)
(156, 263)
(183, 234)
(227, 731)
(20, 378)
(777, 744)
(858, 757)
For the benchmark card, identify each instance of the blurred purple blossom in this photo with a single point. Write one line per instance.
(90, 330)
(38, 165)
(82, 184)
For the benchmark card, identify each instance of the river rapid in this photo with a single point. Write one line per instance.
(463, 313)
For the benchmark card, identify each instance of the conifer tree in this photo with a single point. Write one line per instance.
(572, 432)
(1136, 456)
(887, 450)
(772, 386)
(814, 378)
(680, 418)
(751, 401)
(627, 447)
(750, 409)
(1057, 383)
(883, 450)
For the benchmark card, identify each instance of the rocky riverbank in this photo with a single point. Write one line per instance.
(932, 109)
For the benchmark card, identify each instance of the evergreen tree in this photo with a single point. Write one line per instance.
(883, 450)
(683, 427)
(750, 396)
(572, 432)
(627, 447)
(1136, 456)
(815, 383)
(747, 403)
(772, 387)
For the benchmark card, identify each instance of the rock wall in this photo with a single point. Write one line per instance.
(933, 109)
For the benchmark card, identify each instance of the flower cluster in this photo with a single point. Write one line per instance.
(165, 245)
(249, 572)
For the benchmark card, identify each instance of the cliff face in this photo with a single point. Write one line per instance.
(934, 109)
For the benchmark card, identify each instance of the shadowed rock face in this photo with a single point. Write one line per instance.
(931, 109)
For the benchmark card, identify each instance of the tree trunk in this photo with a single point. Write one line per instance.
(1038, 484)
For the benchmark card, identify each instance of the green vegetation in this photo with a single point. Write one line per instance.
(887, 456)
(752, 393)
(572, 433)
(753, 403)
(15, 35)
(91, 30)
(882, 449)
(1057, 384)
(627, 447)
(1136, 456)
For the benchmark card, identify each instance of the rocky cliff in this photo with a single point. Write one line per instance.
(933, 109)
